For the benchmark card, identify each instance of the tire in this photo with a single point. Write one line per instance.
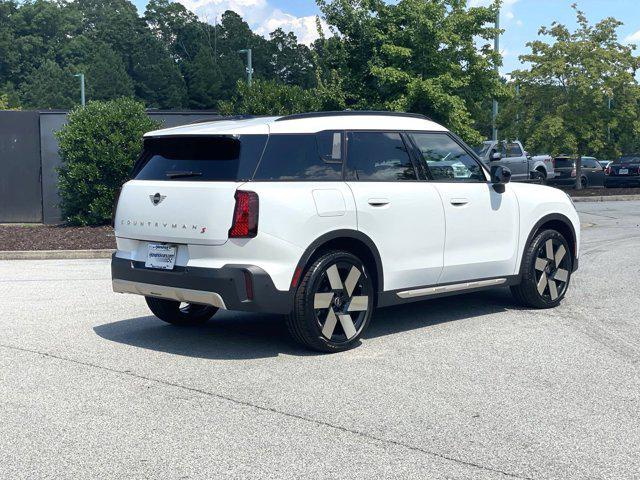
(545, 271)
(584, 182)
(333, 303)
(190, 315)
(542, 176)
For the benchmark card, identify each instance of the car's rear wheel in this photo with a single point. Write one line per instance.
(545, 272)
(584, 182)
(333, 303)
(181, 314)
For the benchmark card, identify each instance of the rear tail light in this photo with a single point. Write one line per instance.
(553, 161)
(245, 215)
(607, 171)
(573, 172)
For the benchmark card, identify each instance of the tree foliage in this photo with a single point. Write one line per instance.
(564, 97)
(98, 147)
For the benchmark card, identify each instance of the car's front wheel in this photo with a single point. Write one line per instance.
(181, 314)
(333, 304)
(545, 271)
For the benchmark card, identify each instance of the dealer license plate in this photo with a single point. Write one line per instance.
(161, 256)
(623, 171)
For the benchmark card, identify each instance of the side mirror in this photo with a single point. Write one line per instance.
(500, 176)
(495, 156)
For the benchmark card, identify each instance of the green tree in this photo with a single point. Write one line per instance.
(578, 72)
(416, 56)
(98, 147)
(274, 98)
(51, 87)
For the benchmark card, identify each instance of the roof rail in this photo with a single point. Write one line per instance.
(348, 113)
(223, 118)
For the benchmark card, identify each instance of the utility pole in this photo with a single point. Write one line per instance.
(249, 65)
(496, 48)
(81, 76)
(609, 121)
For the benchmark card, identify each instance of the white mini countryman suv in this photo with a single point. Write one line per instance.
(323, 217)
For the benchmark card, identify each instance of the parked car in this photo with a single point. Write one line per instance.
(511, 154)
(325, 216)
(565, 168)
(624, 172)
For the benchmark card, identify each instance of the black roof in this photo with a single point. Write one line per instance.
(351, 113)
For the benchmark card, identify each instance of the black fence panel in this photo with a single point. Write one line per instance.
(20, 187)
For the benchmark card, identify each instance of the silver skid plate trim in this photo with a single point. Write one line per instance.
(170, 293)
(423, 292)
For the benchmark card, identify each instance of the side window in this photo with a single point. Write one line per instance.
(302, 157)
(513, 150)
(589, 162)
(379, 156)
(446, 160)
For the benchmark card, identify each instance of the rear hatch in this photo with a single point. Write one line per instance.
(183, 188)
(625, 166)
(563, 167)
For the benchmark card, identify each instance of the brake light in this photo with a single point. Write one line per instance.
(573, 172)
(607, 171)
(245, 215)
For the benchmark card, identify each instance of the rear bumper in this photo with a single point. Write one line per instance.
(622, 181)
(228, 287)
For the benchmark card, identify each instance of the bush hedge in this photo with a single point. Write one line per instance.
(98, 147)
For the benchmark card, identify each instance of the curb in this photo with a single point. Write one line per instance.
(611, 198)
(55, 254)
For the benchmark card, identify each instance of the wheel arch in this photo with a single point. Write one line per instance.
(560, 223)
(351, 241)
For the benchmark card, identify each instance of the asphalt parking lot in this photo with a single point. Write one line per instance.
(92, 386)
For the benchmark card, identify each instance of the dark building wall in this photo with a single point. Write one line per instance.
(20, 186)
(29, 160)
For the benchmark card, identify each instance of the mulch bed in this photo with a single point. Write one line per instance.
(48, 237)
(602, 192)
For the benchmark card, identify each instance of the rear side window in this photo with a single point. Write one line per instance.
(302, 157)
(205, 159)
(379, 156)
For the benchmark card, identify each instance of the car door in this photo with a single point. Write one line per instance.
(516, 161)
(594, 171)
(481, 224)
(401, 214)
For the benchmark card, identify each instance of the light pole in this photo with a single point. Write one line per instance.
(249, 65)
(496, 48)
(82, 99)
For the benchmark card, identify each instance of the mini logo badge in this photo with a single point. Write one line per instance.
(157, 198)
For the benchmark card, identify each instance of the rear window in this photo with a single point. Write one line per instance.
(302, 157)
(204, 159)
(563, 163)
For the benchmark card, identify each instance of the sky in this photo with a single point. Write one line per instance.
(520, 19)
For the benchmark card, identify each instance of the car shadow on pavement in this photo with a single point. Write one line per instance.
(238, 335)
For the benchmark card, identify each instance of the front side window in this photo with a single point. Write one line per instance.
(379, 156)
(445, 159)
(302, 157)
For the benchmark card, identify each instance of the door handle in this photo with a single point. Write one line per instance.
(459, 202)
(378, 202)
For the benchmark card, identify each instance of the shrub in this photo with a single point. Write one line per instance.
(98, 147)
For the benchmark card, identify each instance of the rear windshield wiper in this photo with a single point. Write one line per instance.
(183, 174)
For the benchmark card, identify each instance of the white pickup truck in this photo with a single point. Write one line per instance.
(512, 155)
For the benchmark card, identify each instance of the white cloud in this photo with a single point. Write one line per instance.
(260, 15)
(633, 38)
